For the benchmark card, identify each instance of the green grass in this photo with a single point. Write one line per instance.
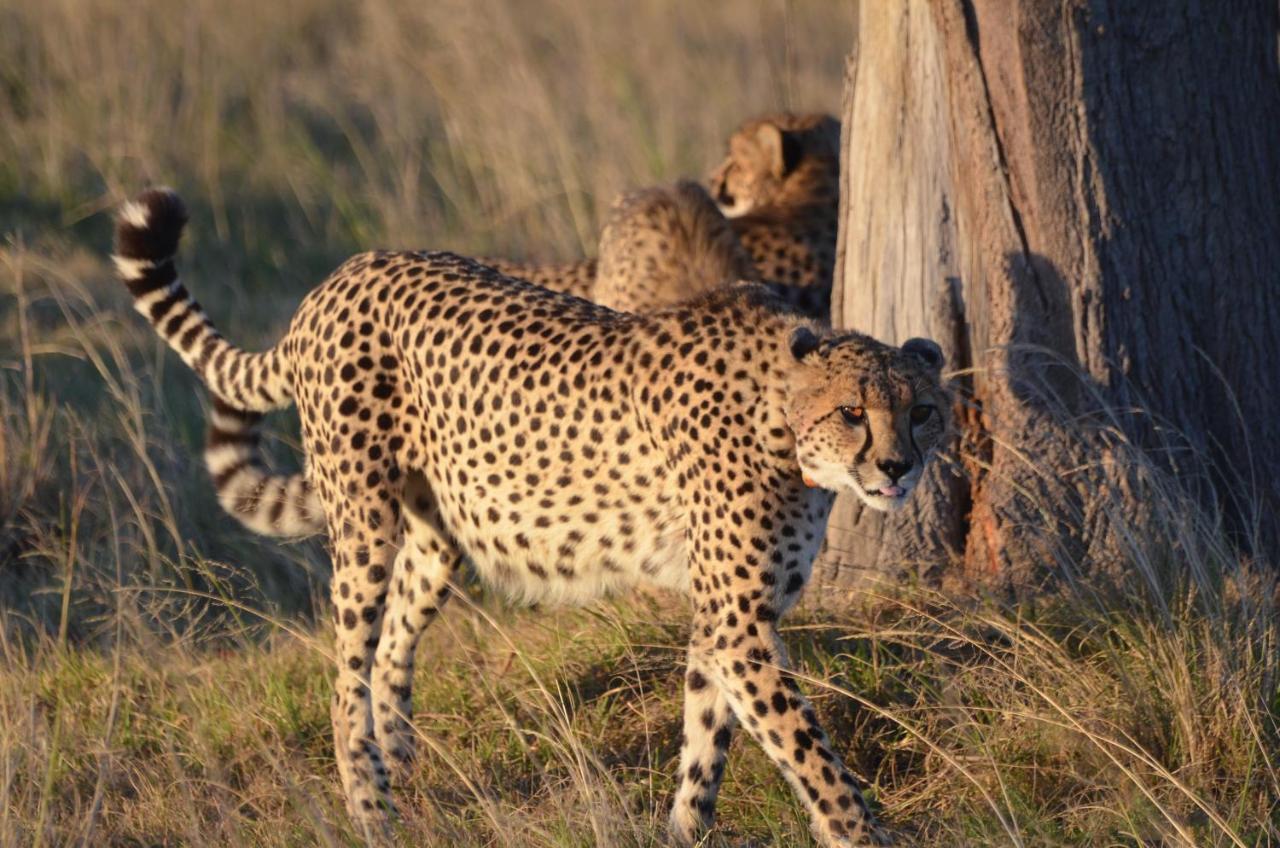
(164, 675)
(978, 723)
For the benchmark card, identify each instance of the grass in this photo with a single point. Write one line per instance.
(164, 675)
(1075, 723)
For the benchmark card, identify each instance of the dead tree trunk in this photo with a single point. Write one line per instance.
(1083, 196)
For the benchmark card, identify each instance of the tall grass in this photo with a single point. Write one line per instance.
(500, 125)
(164, 674)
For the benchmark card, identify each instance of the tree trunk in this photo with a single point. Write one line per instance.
(1080, 203)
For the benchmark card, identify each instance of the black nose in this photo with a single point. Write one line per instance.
(893, 468)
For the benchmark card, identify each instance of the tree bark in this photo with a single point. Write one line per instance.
(1079, 202)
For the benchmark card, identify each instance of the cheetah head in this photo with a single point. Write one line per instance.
(776, 161)
(866, 416)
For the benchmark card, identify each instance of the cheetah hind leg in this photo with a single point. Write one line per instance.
(359, 586)
(420, 586)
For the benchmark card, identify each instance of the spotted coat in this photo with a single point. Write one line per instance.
(778, 185)
(664, 245)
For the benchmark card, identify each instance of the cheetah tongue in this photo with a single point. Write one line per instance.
(808, 481)
(891, 491)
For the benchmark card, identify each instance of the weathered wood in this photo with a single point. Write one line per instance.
(895, 262)
(1079, 201)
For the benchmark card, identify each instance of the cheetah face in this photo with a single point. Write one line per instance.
(770, 158)
(866, 416)
(745, 178)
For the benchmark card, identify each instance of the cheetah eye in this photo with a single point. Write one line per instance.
(921, 414)
(854, 416)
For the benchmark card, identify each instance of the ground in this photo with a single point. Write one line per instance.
(164, 675)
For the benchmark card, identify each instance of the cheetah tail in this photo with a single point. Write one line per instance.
(147, 232)
(282, 505)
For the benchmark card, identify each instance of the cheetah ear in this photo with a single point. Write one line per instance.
(803, 343)
(926, 350)
(781, 149)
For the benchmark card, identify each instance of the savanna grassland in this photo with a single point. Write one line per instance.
(164, 674)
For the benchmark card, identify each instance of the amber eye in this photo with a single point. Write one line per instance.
(921, 414)
(853, 415)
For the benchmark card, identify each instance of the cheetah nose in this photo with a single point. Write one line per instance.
(893, 468)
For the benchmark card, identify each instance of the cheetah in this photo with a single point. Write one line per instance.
(565, 450)
(779, 188)
(665, 245)
(668, 244)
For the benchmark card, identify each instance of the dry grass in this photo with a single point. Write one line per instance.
(163, 675)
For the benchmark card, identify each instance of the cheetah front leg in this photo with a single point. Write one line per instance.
(748, 664)
(743, 573)
(704, 746)
(419, 588)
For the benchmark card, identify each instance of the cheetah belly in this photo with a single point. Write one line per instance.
(573, 560)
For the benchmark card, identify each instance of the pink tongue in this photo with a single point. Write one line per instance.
(891, 491)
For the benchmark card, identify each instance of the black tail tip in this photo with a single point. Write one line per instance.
(149, 226)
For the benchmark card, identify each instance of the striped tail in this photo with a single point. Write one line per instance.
(147, 233)
(283, 505)
(244, 385)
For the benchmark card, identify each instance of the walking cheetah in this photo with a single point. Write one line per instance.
(565, 450)
(660, 246)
